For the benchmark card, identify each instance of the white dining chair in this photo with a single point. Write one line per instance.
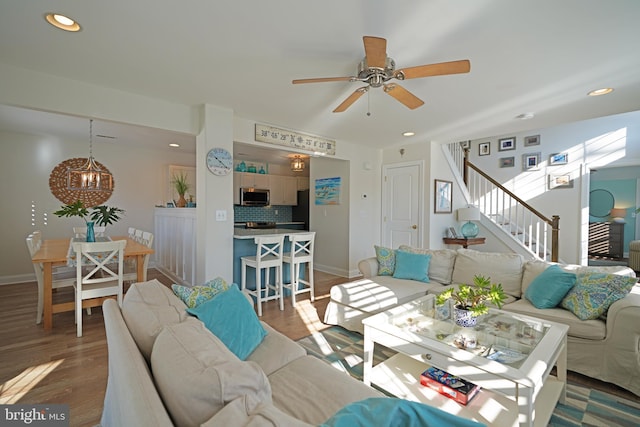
(300, 255)
(34, 241)
(268, 256)
(138, 236)
(81, 232)
(101, 279)
(130, 268)
(131, 232)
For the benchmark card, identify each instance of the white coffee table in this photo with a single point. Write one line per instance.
(512, 361)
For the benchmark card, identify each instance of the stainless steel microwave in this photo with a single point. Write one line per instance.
(254, 197)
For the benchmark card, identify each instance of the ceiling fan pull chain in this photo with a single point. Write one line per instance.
(368, 104)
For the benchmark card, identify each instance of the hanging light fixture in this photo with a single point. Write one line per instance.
(297, 164)
(89, 177)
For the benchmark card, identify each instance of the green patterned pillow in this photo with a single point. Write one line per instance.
(594, 293)
(196, 295)
(386, 260)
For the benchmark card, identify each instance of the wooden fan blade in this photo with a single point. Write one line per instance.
(443, 68)
(351, 99)
(323, 79)
(404, 96)
(375, 49)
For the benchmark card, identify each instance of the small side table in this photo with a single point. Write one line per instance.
(464, 242)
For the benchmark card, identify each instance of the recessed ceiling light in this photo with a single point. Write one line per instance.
(408, 133)
(63, 22)
(173, 144)
(525, 116)
(603, 91)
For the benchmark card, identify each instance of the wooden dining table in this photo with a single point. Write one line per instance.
(54, 252)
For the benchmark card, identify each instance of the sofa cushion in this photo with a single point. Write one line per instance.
(246, 411)
(275, 351)
(230, 317)
(311, 390)
(440, 265)
(193, 296)
(197, 375)
(550, 287)
(594, 293)
(147, 308)
(412, 266)
(380, 292)
(386, 260)
(503, 268)
(587, 329)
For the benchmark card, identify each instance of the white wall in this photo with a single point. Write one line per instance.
(25, 167)
(602, 142)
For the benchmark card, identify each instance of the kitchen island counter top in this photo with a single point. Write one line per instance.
(249, 233)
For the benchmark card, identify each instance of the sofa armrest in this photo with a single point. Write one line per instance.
(368, 267)
(623, 317)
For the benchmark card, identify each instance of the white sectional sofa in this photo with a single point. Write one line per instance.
(166, 368)
(606, 348)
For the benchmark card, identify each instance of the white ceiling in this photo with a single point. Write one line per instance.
(539, 56)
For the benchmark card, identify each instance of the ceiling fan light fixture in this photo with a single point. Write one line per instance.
(297, 164)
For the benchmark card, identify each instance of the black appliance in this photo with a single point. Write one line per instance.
(300, 213)
(254, 197)
(254, 224)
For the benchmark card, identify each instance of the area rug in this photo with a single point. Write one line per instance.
(343, 349)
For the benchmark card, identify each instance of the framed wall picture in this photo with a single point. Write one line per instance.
(558, 159)
(443, 194)
(505, 144)
(560, 181)
(484, 149)
(507, 162)
(531, 140)
(530, 161)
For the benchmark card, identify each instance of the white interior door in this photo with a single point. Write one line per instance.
(402, 201)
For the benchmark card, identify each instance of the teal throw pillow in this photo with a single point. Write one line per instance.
(594, 293)
(392, 412)
(230, 317)
(193, 296)
(549, 287)
(412, 266)
(386, 260)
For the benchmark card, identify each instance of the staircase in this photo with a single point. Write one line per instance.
(520, 226)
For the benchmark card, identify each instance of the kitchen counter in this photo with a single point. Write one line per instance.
(250, 233)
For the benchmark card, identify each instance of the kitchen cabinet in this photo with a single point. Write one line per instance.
(606, 239)
(247, 179)
(284, 190)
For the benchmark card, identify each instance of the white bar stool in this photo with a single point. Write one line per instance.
(301, 253)
(268, 256)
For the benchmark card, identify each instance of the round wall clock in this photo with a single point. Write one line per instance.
(219, 161)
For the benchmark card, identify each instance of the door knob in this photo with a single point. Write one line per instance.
(414, 226)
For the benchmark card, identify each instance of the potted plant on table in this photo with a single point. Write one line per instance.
(470, 301)
(101, 215)
(182, 186)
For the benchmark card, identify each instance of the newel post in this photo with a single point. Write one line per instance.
(555, 228)
(465, 167)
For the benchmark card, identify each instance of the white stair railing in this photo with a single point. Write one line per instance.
(521, 222)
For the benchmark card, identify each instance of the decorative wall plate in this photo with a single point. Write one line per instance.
(60, 189)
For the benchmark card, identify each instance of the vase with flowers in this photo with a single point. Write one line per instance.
(469, 302)
(101, 215)
(181, 186)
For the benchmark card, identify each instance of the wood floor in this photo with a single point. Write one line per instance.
(38, 366)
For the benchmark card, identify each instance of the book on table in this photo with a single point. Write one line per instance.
(456, 388)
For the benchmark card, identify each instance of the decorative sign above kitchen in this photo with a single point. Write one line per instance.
(289, 138)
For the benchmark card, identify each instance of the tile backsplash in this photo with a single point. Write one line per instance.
(262, 213)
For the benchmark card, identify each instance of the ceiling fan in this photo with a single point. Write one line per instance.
(376, 69)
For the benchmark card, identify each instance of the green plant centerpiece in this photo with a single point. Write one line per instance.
(470, 301)
(101, 215)
(182, 186)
